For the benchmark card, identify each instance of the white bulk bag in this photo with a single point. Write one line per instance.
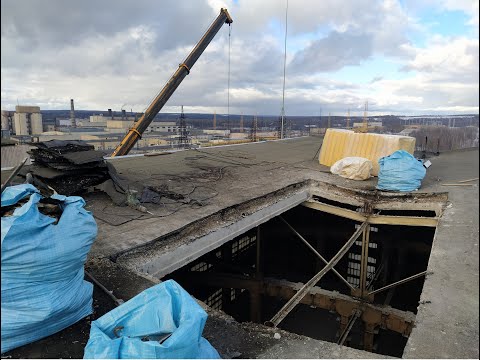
(355, 168)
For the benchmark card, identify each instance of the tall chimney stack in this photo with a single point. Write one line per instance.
(124, 114)
(110, 114)
(72, 114)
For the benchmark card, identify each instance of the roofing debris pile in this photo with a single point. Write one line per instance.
(73, 167)
(69, 167)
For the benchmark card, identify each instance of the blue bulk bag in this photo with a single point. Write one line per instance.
(42, 284)
(133, 329)
(400, 171)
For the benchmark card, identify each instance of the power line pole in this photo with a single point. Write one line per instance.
(282, 115)
(253, 131)
(365, 118)
(183, 141)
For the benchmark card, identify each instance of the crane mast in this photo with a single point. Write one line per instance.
(135, 133)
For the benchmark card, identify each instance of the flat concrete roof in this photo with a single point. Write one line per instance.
(224, 176)
(447, 319)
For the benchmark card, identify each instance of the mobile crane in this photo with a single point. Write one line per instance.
(135, 133)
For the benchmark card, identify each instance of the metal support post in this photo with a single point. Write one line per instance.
(227, 259)
(345, 330)
(287, 308)
(258, 264)
(255, 304)
(317, 253)
(255, 292)
(368, 337)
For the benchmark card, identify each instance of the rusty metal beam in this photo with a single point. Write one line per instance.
(285, 310)
(348, 327)
(316, 252)
(384, 316)
(372, 219)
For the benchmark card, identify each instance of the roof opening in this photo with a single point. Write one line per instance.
(367, 301)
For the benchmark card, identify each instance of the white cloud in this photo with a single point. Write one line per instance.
(470, 7)
(452, 59)
(106, 54)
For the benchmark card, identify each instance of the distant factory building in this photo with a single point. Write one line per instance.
(371, 124)
(98, 118)
(63, 122)
(27, 120)
(164, 127)
(119, 123)
(7, 120)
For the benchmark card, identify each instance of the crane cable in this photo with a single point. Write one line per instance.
(282, 132)
(228, 81)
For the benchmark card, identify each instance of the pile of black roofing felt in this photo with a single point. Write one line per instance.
(69, 167)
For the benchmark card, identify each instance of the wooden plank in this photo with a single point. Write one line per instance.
(403, 220)
(465, 181)
(373, 219)
(335, 210)
(457, 184)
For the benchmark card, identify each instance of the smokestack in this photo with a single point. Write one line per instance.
(124, 114)
(72, 114)
(110, 113)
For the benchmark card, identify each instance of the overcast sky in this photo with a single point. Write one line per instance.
(403, 56)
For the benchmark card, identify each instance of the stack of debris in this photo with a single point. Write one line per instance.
(69, 167)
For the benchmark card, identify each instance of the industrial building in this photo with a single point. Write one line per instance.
(371, 124)
(26, 120)
(7, 121)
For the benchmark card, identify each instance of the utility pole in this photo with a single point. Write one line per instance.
(183, 138)
(282, 115)
(214, 119)
(365, 118)
(241, 123)
(320, 123)
(253, 131)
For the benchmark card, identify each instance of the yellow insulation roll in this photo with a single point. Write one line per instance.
(340, 143)
(333, 147)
